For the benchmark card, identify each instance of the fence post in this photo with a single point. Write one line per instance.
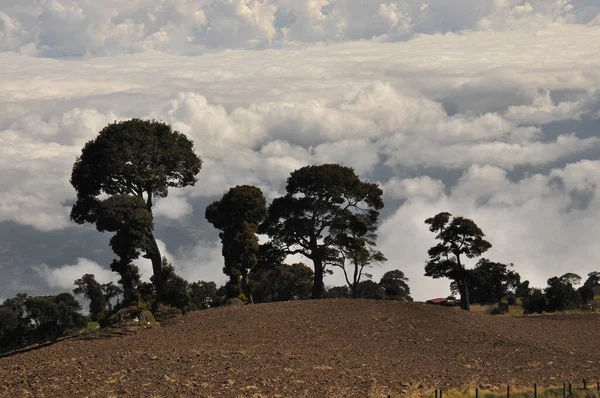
(436, 393)
(507, 391)
(440, 393)
(584, 384)
(535, 395)
(564, 390)
(570, 389)
(476, 392)
(598, 385)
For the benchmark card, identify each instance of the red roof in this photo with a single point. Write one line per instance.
(437, 300)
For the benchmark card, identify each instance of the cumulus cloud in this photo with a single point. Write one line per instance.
(63, 277)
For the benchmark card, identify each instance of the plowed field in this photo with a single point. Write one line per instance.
(325, 348)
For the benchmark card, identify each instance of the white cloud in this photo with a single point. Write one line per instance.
(62, 278)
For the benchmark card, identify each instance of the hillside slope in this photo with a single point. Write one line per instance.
(320, 348)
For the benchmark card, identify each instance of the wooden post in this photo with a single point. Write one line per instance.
(436, 393)
(584, 384)
(535, 395)
(564, 390)
(476, 392)
(440, 393)
(570, 389)
(507, 391)
(598, 385)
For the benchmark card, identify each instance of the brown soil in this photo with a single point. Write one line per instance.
(326, 348)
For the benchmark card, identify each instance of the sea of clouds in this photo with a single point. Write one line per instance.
(484, 108)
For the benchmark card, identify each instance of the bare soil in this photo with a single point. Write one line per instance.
(324, 348)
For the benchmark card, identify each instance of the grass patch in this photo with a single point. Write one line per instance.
(93, 325)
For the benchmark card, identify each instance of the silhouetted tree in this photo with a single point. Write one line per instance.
(534, 301)
(522, 289)
(309, 217)
(92, 290)
(110, 291)
(176, 292)
(560, 293)
(52, 316)
(586, 291)
(395, 285)
(457, 237)
(202, 294)
(489, 282)
(356, 240)
(237, 215)
(282, 282)
(338, 292)
(117, 178)
(9, 321)
(369, 290)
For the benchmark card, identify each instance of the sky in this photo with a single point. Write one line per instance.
(487, 109)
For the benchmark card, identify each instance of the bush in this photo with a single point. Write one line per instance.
(164, 313)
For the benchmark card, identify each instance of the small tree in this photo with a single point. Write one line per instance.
(202, 294)
(237, 215)
(308, 218)
(92, 290)
(370, 290)
(176, 292)
(338, 292)
(489, 282)
(587, 290)
(281, 282)
(117, 178)
(534, 301)
(561, 294)
(395, 285)
(355, 240)
(457, 237)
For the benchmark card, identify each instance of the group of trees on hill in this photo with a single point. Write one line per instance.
(327, 214)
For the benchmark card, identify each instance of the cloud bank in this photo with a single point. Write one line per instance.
(487, 109)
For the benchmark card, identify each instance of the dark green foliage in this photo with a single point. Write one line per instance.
(202, 294)
(9, 321)
(281, 282)
(457, 237)
(314, 211)
(489, 282)
(369, 290)
(176, 292)
(522, 289)
(395, 285)
(237, 215)
(560, 293)
(586, 292)
(337, 292)
(92, 290)
(132, 162)
(52, 316)
(534, 301)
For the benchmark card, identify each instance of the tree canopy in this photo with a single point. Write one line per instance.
(314, 211)
(457, 237)
(395, 285)
(237, 215)
(118, 176)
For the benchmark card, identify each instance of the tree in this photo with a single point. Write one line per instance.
(308, 218)
(9, 321)
(522, 289)
(237, 215)
(92, 290)
(356, 242)
(110, 291)
(395, 285)
(282, 282)
(560, 293)
(52, 316)
(202, 294)
(534, 301)
(587, 290)
(489, 282)
(338, 292)
(176, 292)
(457, 237)
(119, 175)
(369, 290)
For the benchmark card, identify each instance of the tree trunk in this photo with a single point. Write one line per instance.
(318, 286)
(154, 255)
(355, 290)
(464, 296)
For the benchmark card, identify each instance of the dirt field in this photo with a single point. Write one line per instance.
(326, 348)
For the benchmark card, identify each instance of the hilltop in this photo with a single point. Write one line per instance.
(350, 348)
